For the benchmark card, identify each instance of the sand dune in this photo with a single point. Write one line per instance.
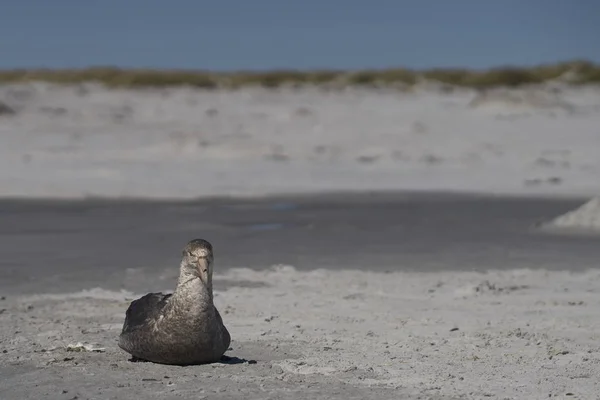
(180, 143)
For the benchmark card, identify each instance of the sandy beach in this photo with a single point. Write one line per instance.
(329, 334)
(409, 296)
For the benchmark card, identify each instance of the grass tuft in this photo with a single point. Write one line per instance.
(574, 72)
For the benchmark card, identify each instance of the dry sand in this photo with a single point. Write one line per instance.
(585, 219)
(182, 143)
(518, 334)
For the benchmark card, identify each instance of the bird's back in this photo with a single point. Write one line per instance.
(140, 316)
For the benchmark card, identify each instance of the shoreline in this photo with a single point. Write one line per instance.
(131, 243)
(357, 195)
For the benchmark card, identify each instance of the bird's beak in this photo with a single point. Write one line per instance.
(203, 268)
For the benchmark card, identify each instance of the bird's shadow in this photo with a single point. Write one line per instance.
(224, 360)
(136, 360)
(235, 360)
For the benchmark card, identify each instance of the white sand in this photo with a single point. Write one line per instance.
(181, 143)
(512, 335)
(584, 219)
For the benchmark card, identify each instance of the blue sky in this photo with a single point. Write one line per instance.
(267, 34)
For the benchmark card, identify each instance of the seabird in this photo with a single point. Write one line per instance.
(181, 328)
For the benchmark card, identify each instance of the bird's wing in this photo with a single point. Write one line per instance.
(148, 307)
(226, 336)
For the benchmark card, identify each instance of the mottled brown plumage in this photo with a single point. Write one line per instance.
(181, 328)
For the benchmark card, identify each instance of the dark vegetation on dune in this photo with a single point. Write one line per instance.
(574, 72)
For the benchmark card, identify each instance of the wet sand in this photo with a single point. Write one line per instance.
(73, 245)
